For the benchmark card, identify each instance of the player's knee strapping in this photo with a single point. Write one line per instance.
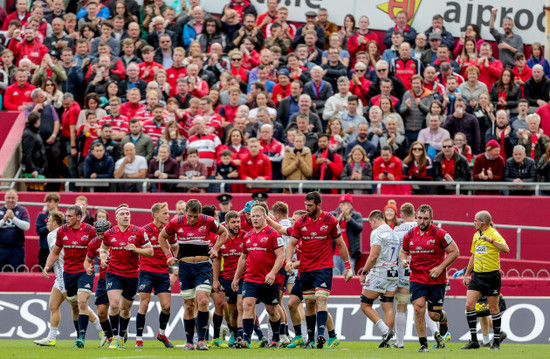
(204, 288)
(366, 300)
(188, 293)
(309, 295)
(384, 299)
(73, 299)
(320, 292)
(402, 298)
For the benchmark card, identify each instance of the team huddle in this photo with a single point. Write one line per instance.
(255, 256)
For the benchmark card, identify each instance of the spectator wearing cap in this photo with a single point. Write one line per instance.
(225, 205)
(429, 56)
(351, 224)
(282, 88)
(518, 169)
(299, 38)
(489, 165)
(437, 27)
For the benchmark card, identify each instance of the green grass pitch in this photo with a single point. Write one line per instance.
(21, 349)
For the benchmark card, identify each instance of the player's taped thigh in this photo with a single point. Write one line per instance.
(84, 290)
(366, 300)
(310, 294)
(402, 298)
(384, 299)
(73, 298)
(188, 293)
(320, 292)
(204, 288)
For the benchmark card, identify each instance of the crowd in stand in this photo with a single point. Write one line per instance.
(157, 92)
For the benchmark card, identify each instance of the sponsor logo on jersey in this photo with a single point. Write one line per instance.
(190, 234)
(255, 244)
(180, 230)
(65, 238)
(122, 244)
(304, 228)
(263, 239)
(85, 237)
(313, 233)
(131, 238)
(113, 240)
(323, 285)
(431, 242)
(323, 228)
(74, 242)
(418, 248)
(87, 286)
(411, 243)
(202, 228)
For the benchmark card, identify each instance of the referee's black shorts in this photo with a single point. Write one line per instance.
(487, 283)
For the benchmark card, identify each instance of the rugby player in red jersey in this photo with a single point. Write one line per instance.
(231, 252)
(154, 274)
(263, 256)
(317, 229)
(74, 237)
(191, 233)
(101, 299)
(431, 251)
(126, 243)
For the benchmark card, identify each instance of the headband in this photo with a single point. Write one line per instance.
(122, 209)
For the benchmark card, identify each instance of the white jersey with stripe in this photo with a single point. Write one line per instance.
(402, 229)
(389, 251)
(59, 263)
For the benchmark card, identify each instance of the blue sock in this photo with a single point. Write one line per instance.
(248, 326)
(82, 325)
(189, 325)
(202, 319)
(322, 317)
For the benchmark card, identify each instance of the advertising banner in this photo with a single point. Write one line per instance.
(26, 316)
(528, 15)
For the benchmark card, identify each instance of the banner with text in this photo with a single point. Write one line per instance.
(26, 316)
(528, 15)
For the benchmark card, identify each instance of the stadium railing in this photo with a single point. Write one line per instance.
(294, 186)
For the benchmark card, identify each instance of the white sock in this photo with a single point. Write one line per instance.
(161, 331)
(431, 324)
(53, 333)
(400, 326)
(139, 338)
(97, 325)
(486, 338)
(382, 326)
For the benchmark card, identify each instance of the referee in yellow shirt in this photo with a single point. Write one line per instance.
(485, 268)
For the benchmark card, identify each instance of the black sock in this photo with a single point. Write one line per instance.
(202, 329)
(163, 320)
(471, 317)
(257, 328)
(123, 326)
(282, 329)
(114, 319)
(217, 321)
(322, 318)
(332, 333)
(423, 341)
(189, 325)
(298, 329)
(75, 322)
(82, 325)
(496, 327)
(275, 328)
(140, 323)
(240, 332)
(248, 326)
(311, 321)
(106, 326)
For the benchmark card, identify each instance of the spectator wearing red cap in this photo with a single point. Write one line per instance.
(351, 224)
(489, 166)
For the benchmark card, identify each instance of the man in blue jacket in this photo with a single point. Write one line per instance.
(51, 202)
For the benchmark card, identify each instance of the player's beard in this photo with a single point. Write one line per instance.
(423, 227)
(235, 231)
(314, 213)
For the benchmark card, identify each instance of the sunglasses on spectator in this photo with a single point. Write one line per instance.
(381, 70)
(357, 70)
(446, 146)
(418, 149)
(236, 59)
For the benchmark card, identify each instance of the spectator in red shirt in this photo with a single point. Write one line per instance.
(148, 68)
(359, 41)
(255, 165)
(268, 17)
(155, 127)
(282, 88)
(197, 86)
(21, 13)
(388, 167)
(18, 96)
(118, 121)
(29, 48)
(489, 67)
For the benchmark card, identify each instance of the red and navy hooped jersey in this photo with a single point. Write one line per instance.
(123, 262)
(75, 243)
(317, 237)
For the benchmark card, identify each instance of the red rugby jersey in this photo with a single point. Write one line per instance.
(260, 249)
(427, 251)
(75, 243)
(93, 251)
(123, 262)
(181, 232)
(156, 263)
(317, 237)
(231, 252)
